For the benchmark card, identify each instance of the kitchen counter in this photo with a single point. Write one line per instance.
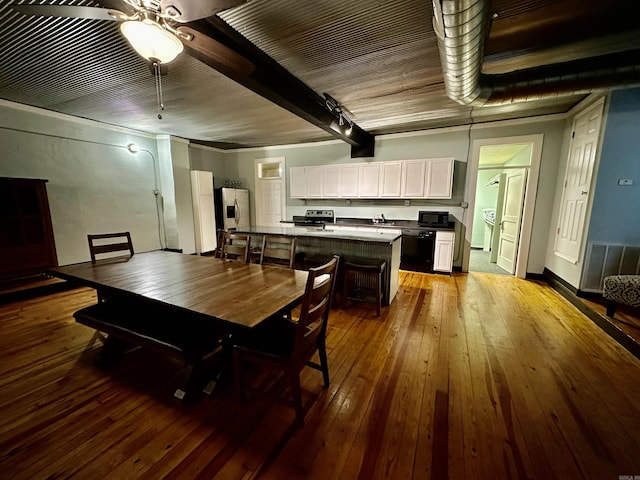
(327, 232)
(349, 244)
(391, 224)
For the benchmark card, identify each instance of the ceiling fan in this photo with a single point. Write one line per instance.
(150, 26)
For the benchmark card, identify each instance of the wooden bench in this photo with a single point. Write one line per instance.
(144, 325)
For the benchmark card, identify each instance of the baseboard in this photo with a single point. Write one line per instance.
(571, 294)
(39, 291)
(534, 276)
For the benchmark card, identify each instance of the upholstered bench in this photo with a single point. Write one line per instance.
(624, 289)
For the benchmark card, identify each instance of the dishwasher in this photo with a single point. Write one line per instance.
(416, 253)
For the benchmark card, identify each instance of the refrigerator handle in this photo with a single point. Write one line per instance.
(237, 212)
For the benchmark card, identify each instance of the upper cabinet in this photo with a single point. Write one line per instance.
(413, 178)
(297, 186)
(314, 181)
(369, 180)
(439, 179)
(424, 179)
(391, 179)
(349, 180)
(331, 181)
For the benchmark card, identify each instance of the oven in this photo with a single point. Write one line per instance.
(416, 253)
(314, 218)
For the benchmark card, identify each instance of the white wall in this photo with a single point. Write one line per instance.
(95, 184)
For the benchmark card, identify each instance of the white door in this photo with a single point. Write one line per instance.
(577, 184)
(270, 202)
(509, 228)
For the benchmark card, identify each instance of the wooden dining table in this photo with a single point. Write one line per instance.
(229, 291)
(189, 295)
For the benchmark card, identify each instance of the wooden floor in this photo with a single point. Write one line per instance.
(474, 376)
(625, 318)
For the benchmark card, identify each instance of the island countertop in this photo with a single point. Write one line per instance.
(387, 237)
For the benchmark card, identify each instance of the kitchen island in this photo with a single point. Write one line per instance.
(358, 245)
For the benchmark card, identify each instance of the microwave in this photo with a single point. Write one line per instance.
(433, 219)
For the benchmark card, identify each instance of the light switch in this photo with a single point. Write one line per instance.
(625, 181)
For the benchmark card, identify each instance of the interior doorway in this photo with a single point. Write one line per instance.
(501, 189)
(270, 198)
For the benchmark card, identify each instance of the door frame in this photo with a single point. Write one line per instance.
(531, 187)
(258, 184)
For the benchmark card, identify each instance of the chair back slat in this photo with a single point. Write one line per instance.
(96, 247)
(236, 246)
(314, 313)
(278, 250)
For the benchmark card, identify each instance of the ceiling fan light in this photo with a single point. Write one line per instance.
(151, 40)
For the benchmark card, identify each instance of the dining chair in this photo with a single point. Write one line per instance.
(289, 345)
(236, 246)
(98, 245)
(220, 243)
(103, 243)
(278, 250)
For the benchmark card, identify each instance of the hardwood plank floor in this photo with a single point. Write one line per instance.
(470, 376)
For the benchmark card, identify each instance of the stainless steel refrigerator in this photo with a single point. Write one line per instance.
(232, 208)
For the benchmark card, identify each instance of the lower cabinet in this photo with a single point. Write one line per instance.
(443, 254)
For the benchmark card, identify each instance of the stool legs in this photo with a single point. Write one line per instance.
(373, 272)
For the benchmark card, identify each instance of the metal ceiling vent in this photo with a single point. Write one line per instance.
(462, 26)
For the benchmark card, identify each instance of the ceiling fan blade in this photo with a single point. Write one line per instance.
(68, 11)
(189, 10)
(213, 51)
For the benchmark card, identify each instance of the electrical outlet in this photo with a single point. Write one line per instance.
(625, 181)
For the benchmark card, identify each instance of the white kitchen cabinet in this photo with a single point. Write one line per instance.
(391, 179)
(368, 180)
(331, 185)
(413, 178)
(297, 183)
(439, 178)
(443, 253)
(313, 181)
(349, 180)
(429, 178)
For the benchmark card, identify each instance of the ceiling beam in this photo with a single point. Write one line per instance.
(218, 45)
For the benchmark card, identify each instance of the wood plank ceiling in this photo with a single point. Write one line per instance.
(380, 60)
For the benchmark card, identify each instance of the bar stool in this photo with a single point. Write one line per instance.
(363, 282)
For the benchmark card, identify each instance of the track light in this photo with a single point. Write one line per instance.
(339, 111)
